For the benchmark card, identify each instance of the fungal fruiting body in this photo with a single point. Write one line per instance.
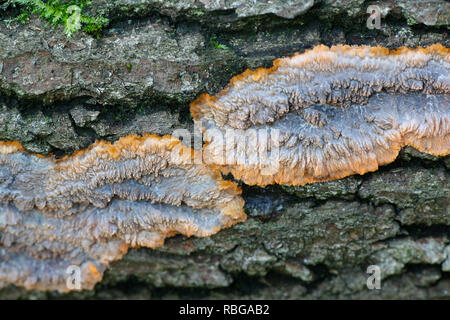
(86, 210)
(328, 113)
(316, 116)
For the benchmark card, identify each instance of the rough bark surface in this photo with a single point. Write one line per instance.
(58, 95)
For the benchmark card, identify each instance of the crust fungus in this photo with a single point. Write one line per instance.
(84, 211)
(328, 113)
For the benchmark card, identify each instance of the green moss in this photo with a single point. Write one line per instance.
(69, 14)
(140, 110)
(217, 45)
(411, 21)
(197, 12)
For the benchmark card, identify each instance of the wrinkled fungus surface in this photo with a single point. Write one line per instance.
(86, 210)
(333, 111)
(321, 115)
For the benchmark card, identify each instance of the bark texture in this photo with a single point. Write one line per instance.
(58, 95)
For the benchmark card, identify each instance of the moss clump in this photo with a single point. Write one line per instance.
(198, 12)
(213, 41)
(55, 12)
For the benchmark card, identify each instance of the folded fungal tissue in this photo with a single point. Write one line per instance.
(87, 209)
(316, 116)
(328, 113)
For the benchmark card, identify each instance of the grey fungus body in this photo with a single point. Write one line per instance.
(336, 111)
(86, 210)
